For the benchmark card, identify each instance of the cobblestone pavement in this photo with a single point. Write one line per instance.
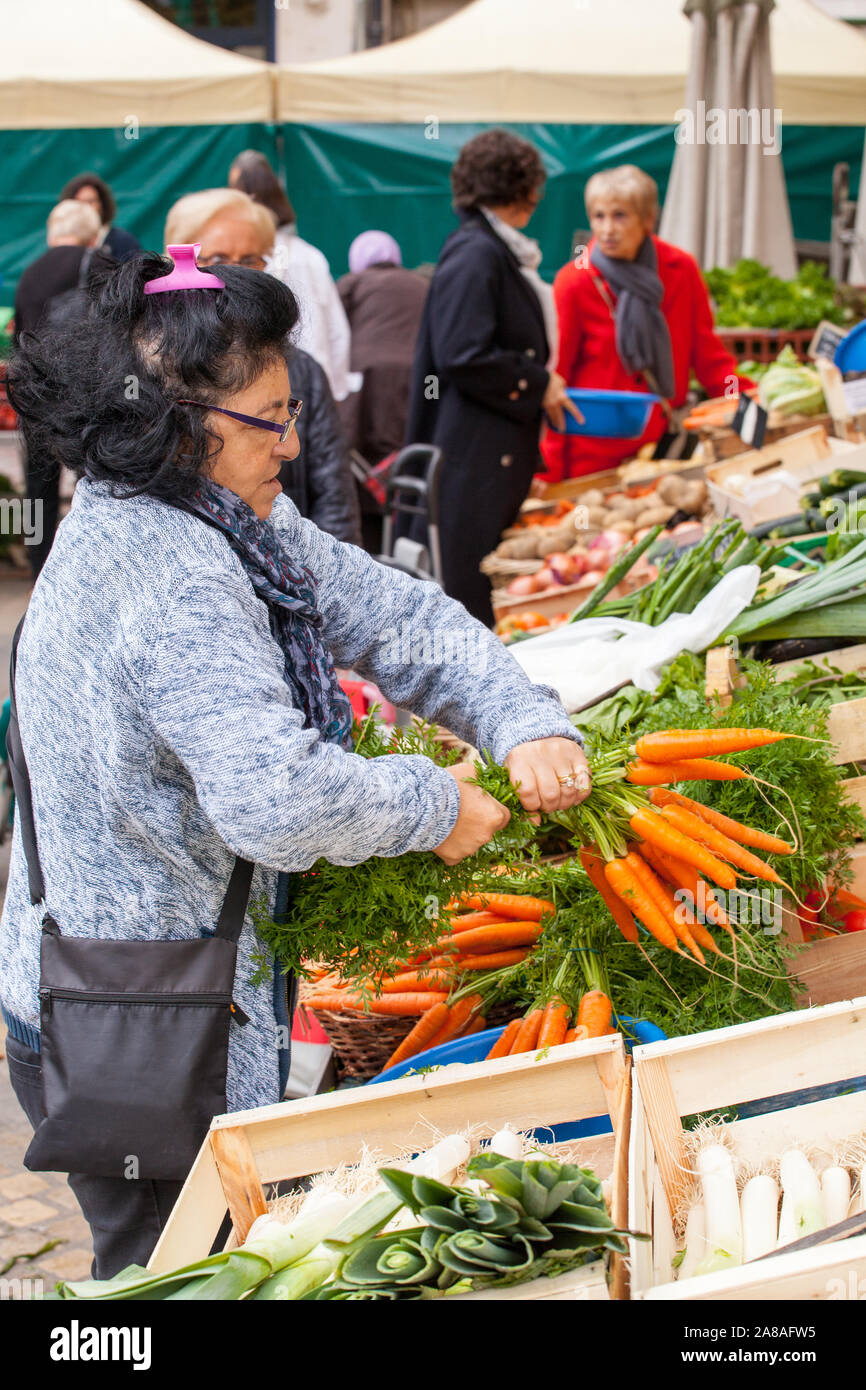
(35, 1208)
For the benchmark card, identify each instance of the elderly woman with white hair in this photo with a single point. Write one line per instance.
(634, 315)
(233, 229)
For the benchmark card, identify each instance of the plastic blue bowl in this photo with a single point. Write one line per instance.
(476, 1048)
(610, 414)
(850, 355)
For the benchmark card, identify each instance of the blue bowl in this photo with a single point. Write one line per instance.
(610, 414)
(850, 355)
(476, 1048)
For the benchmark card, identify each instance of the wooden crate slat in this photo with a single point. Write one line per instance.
(752, 1060)
(663, 1120)
(844, 659)
(855, 790)
(804, 1275)
(240, 1179)
(846, 727)
(826, 967)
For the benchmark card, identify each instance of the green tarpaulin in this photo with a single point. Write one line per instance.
(345, 178)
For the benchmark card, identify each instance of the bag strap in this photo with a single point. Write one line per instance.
(231, 918)
(21, 783)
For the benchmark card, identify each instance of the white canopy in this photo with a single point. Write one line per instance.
(102, 62)
(571, 62)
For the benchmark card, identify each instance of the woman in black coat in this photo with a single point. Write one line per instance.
(481, 378)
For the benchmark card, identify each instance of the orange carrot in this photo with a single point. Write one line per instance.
(594, 866)
(682, 875)
(526, 1038)
(645, 774)
(720, 844)
(624, 883)
(651, 825)
(743, 834)
(418, 1040)
(496, 938)
(554, 1024)
(672, 744)
(512, 905)
(459, 1016)
(685, 913)
(845, 897)
(469, 920)
(417, 980)
(594, 1013)
(664, 901)
(502, 1046)
(477, 1025)
(396, 1005)
(609, 1032)
(577, 1034)
(496, 960)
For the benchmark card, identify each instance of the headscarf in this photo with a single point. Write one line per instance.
(290, 592)
(643, 340)
(373, 248)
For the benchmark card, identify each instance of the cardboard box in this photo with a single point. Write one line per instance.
(777, 474)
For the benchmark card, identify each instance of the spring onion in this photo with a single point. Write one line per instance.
(801, 1186)
(759, 1207)
(724, 1232)
(835, 1194)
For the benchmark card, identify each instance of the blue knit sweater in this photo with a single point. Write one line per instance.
(162, 740)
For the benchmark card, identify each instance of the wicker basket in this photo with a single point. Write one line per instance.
(500, 571)
(362, 1043)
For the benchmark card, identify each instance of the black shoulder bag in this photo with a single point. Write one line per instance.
(134, 1033)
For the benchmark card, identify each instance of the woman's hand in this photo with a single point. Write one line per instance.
(543, 769)
(479, 817)
(556, 402)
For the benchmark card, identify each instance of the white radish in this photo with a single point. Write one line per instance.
(786, 1222)
(507, 1143)
(695, 1246)
(442, 1161)
(724, 1233)
(800, 1183)
(759, 1209)
(836, 1194)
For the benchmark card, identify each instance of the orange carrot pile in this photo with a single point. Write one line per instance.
(548, 1026)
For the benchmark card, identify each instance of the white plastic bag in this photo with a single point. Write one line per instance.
(584, 661)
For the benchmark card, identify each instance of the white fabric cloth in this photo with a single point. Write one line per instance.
(584, 661)
(323, 329)
(528, 253)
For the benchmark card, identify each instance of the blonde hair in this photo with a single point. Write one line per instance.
(630, 184)
(191, 214)
(73, 218)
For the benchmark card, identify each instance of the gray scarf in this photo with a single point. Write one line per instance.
(643, 341)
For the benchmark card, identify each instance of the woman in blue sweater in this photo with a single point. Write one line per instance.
(176, 687)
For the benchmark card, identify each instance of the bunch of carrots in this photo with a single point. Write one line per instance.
(486, 933)
(548, 1026)
(680, 844)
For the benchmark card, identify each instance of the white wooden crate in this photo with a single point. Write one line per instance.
(709, 1072)
(295, 1139)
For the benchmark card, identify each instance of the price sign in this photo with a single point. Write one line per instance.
(827, 338)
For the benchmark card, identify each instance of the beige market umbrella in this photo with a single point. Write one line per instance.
(726, 197)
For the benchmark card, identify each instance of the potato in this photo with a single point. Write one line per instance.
(593, 497)
(595, 515)
(623, 524)
(555, 538)
(685, 496)
(654, 516)
(522, 547)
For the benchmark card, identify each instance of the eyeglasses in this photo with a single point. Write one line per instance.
(284, 430)
(249, 262)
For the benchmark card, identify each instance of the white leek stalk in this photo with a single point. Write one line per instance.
(508, 1143)
(800, 1183)
(724, 1234)
(759, 1211)
(835, 1194)
(695, 1246)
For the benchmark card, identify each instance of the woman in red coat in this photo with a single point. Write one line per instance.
(634, 315)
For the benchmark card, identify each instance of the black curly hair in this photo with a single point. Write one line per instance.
(496, 168)
(97, 391)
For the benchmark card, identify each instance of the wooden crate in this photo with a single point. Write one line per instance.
(785, 1057)
(251, 1148)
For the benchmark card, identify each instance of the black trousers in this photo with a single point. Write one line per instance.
(125, 1216)
(43, 486)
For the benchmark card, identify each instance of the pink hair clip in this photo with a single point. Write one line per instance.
(186, 274)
